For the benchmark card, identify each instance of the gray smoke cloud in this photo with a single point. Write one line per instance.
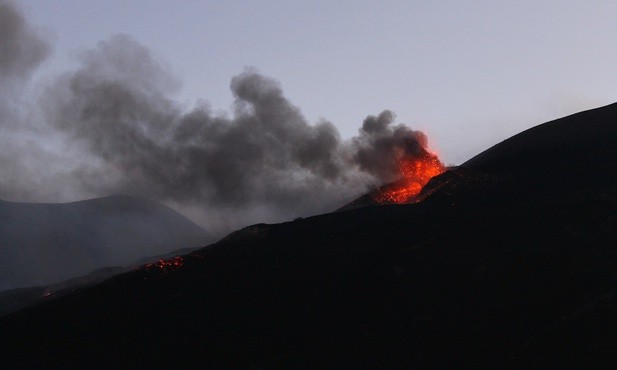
(122, 132)
(21, 52)
(380, 143)
(21, 49)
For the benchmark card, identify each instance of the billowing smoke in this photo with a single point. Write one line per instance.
(21, 52)
(21, 49)
(263, 162)
(380, 145)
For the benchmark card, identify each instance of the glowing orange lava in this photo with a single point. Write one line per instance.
(416, 172)
(166, 265)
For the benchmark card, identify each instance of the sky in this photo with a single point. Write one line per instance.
(470, 74)
(467, 74)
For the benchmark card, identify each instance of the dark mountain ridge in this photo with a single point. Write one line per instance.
(509, 262)
(560, 159)
(15, 299)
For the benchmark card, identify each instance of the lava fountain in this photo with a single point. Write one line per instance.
(415, 172)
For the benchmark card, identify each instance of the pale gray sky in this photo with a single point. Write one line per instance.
(469, 73)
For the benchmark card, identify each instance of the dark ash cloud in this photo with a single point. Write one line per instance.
(381, 143)
(264, 162)
(21, 49)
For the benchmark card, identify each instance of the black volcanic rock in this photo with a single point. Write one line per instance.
(14, 299)
(47, 243)
(497, 267)
(581, 142)
(560, 159)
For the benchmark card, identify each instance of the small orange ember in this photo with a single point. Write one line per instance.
(416, 172)
(166, 265)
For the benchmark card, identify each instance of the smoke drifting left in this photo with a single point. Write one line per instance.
(111, 126)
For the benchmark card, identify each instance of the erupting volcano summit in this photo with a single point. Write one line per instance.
(415, 172)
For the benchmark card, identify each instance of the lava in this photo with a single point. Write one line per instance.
(166, 265)
(415, 173)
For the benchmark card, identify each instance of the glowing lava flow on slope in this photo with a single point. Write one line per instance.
(166, 265)
(416, 172)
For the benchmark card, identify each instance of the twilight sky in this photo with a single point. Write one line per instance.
(470, 73)
(242, 112)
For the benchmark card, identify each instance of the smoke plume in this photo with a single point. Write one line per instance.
(21, 49)
(121, 131)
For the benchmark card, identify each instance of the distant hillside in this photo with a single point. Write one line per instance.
(46, 243)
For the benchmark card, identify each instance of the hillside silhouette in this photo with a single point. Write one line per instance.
(509, 261)
(45, 243)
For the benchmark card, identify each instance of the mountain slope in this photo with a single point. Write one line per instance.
(561, 158)
(491, 270)
(564, 155)
(46, 243)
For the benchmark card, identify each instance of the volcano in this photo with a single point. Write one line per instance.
(509, 261)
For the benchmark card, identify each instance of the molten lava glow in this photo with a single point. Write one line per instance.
(416, 172)
(166, 265)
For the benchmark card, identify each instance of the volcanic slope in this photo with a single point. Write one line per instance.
(510, 261)
(47, 243)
